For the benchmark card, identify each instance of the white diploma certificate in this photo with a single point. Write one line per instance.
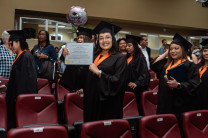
(80, 54)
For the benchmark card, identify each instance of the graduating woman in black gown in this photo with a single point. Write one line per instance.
(177, 97)
(103, 96)
(23, 75)
(74, 76)
(203, 71)
(137, 72)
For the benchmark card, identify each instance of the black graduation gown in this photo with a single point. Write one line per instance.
(103, 97)
(177, 101)
(158, 67)
(74, 77)
(203, 91)
(138, 73)
(23, 80)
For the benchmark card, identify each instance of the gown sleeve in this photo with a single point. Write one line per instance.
(112, 84)
(193, 78)
(158, 67)
(26, 79)
(142, 70)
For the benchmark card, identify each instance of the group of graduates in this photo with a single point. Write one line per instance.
(105, 81)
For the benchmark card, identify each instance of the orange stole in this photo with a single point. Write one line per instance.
(99, 60)
(176, 64)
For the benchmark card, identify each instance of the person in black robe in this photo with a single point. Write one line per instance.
(178, 97)
(74, 76)
(105, 87)
(203, 87)
(137, 72)
(23, 75)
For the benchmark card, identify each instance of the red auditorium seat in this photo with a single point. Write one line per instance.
(159, 126)
(152, 74)
(60, 91)
(195, 124)
(73, 105)
(117, 128)
(3, 116)
(34, 109)
(149, 102)
(130, 112)
(130, 105)
(153, 84)
(39, 132)
(43, 86)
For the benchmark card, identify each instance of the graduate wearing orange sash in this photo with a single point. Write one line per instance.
(23, 75)
(137, 72)
(177, 97)
(103, 95)
(203, 72)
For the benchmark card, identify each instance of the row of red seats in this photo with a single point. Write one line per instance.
(153, 126)
(45, 88)
(42, 109)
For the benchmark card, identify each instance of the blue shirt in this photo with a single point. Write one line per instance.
(161, 51)
(6, 61)
(48, 50)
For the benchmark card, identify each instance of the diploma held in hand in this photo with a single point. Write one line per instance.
(80, 54)
(178, 73)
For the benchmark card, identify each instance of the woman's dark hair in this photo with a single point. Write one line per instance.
(23, 43)
(87, 39)
(47, 37)
(119, 40)
(137, 50)
(113, 50)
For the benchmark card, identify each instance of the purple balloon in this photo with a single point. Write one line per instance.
(77, 16)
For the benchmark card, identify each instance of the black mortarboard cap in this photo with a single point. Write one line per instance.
(84, 31)
(204, 44)
(132, 38)
(17, 35)
(104, 27)
(179, 40)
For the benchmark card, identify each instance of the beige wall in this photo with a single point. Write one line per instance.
(170, 12)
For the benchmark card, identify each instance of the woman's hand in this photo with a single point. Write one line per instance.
(3, 88)
(42, 56)
(172, 83)
(94, 69)
(132, 85)
(80, 92)
(65, 52)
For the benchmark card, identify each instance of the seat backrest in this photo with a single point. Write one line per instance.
(60, 91)
(39, 132)
(152, 74)
(130, 105)
(159, 126)
(43, 86)
(195, 124)
(149, 102)
(117, 128)
(36, 109)
(3, 112)
(73, 105)
(153, 84)
(3, 81)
